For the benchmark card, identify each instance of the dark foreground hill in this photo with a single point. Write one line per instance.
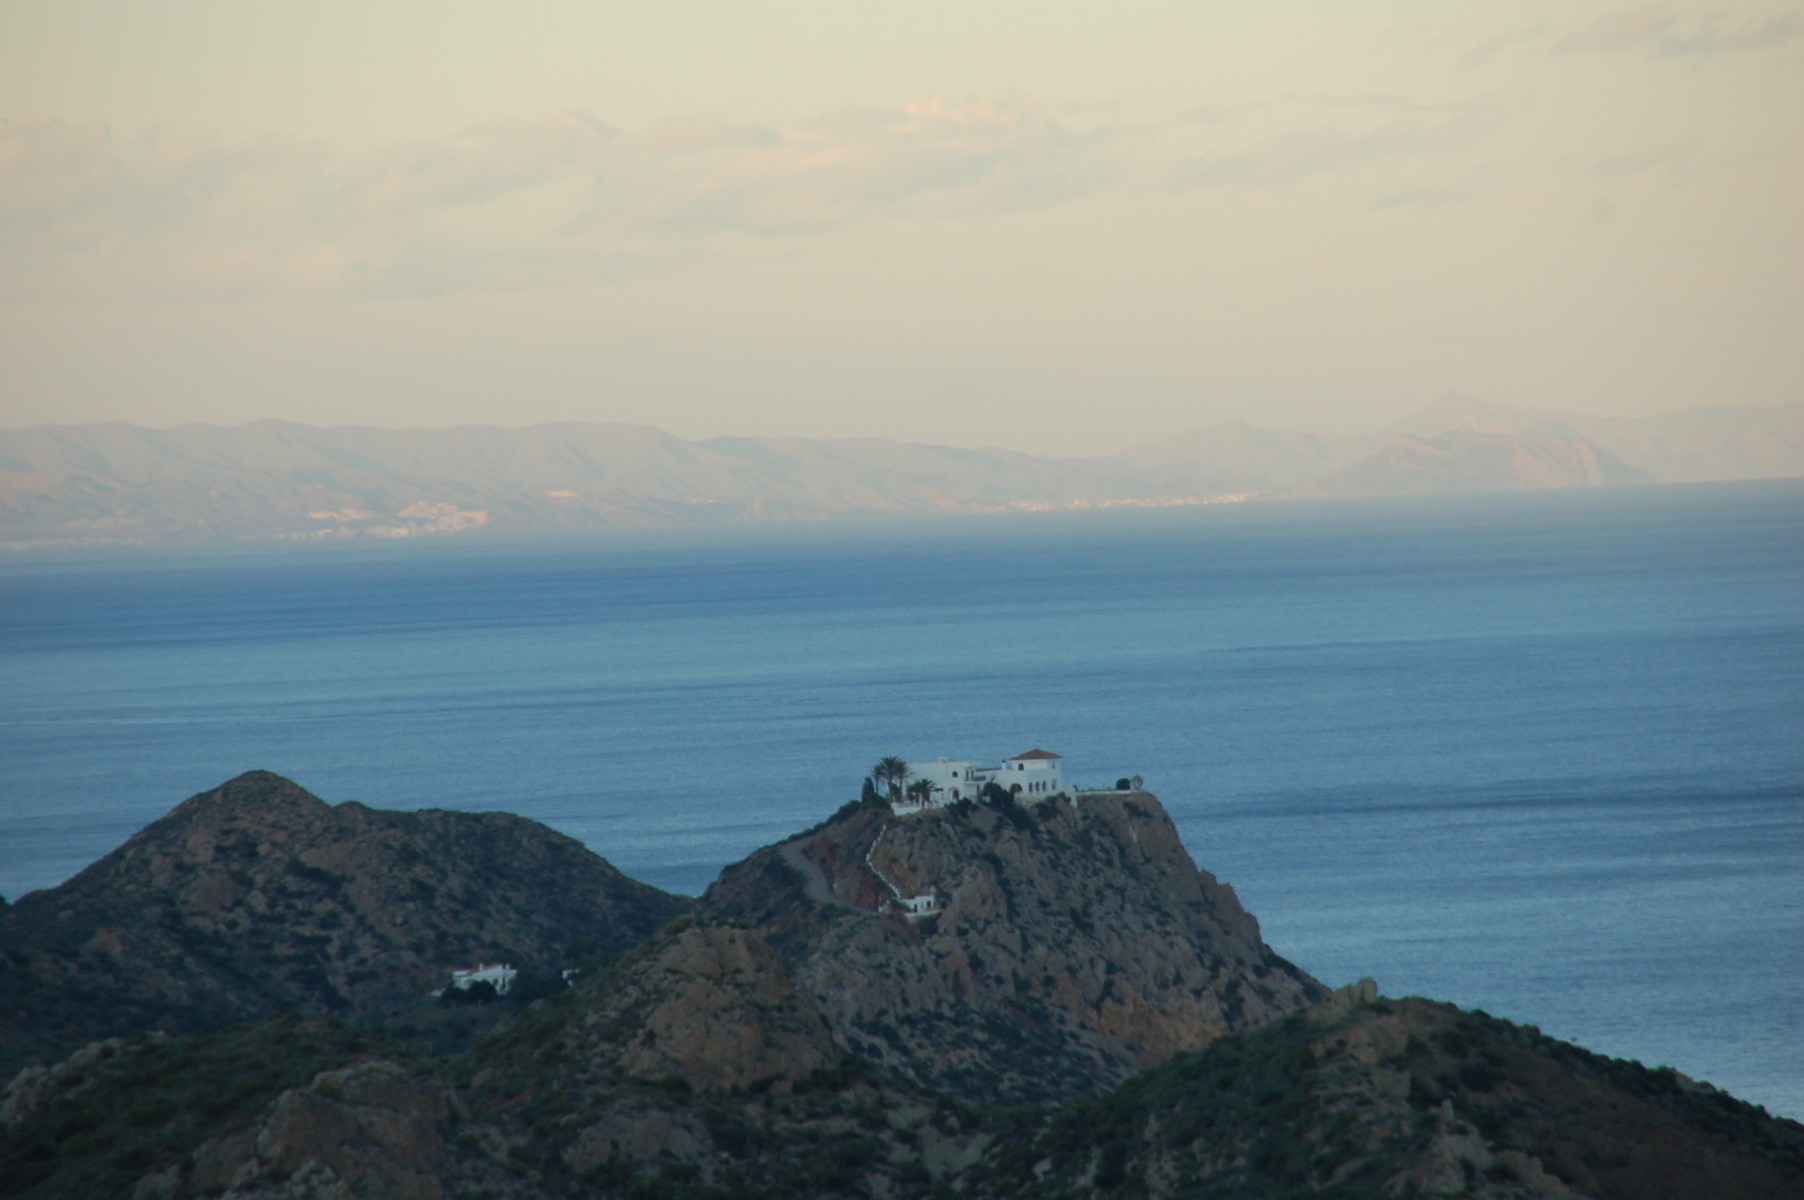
(1075, 942)
(257, 897)
(694, 1070)
(690, 1068)
(757, 1057)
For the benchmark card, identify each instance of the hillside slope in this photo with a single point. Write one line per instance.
(1364, 1097)
(690, 1068)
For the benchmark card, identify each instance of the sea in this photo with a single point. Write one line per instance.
(1540, 754)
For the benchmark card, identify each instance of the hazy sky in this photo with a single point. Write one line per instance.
(1054, 227)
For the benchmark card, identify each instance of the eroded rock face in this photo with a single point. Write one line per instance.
(636, 1131)
(1077, 942)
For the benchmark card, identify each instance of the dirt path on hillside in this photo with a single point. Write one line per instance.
(813, 878)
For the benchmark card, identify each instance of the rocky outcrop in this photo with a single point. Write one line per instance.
(710, 1006)
(1076, 942)
(371, 1129)
(258, 897)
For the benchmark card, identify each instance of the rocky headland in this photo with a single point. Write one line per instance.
(1072, 943)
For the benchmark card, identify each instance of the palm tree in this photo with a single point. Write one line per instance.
(890, 773)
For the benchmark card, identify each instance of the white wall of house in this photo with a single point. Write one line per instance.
(953, 779)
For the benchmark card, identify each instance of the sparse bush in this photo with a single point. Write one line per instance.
(478, 993)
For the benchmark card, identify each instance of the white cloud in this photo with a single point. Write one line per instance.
(1426, 197)
(505, 203)
(1717, 35)
(1673, 159)
(1655, 30)
(927, 160)
(1299, 154)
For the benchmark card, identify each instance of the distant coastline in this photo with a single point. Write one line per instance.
(104, 485)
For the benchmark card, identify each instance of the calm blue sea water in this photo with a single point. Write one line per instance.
(1542, 755)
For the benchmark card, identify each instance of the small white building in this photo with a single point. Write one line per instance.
(500, 976)
(1034, 775)
(916, 907)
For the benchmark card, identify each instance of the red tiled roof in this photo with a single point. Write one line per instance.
(1036, 754)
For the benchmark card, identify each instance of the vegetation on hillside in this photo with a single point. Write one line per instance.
(1400, 1098)
(1354, 1102)
(128, 1108)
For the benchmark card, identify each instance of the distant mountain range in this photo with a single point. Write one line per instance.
(123, 484)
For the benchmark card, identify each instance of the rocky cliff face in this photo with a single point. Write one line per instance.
(1075, 943)
(258, 897)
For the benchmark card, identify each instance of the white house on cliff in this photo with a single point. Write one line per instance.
(1033, 775)
(500, 976)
